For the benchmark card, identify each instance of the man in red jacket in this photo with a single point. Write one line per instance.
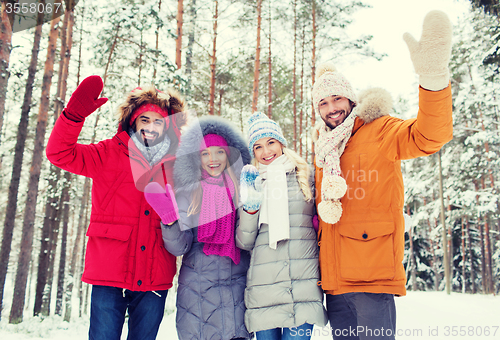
(125, 259)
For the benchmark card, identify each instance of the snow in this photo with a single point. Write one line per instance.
(420, 315)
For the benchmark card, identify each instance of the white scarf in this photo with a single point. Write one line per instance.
(329, 148)
(274, 207)
(331, 144)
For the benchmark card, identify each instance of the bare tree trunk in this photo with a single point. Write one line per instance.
(446, 259)
(5, 49)
(313, 71)
(256, 74)
(301, 93)
(16, 313)
(472, 272)
(270, 72)
(64, 238)
(213, 60)
(413, 261)
(10, 214)
(157, 45)
(141, 53)
(294, 79)
(189, 51)
(178, 40)
(83, 216)
(432, 249)
(464, 254)
(487, 247)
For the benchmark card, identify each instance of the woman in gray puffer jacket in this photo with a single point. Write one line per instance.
(212, 278)
(282, 297)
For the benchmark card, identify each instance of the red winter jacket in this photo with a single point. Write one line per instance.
(125, 246)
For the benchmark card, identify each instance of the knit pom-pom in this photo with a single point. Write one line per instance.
(323, 68)
(330, 211)
(333, 187)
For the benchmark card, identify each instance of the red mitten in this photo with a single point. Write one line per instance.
(85, 99)
(162, 201)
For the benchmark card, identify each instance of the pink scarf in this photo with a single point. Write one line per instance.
(218, 217)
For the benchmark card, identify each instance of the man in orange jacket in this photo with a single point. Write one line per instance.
(360, 186)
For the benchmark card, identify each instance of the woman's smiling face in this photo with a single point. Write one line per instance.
(266, 150)
(213, 160)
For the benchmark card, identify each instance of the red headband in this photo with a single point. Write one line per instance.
(146, 107)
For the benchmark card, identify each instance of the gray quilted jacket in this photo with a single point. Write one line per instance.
(210, 301)
(282, 284)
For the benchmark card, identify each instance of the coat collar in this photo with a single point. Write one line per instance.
(372, 104)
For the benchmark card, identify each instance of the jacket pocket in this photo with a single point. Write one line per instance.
(162, 263)
(367, 251)
(107, 252)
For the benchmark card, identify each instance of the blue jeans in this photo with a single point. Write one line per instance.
(107, 313)
(302, 332)
(362, 316)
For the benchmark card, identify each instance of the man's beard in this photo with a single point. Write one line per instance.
(149, 142)
(329, 124)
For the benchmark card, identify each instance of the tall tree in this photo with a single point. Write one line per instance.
(256, 75)
(7, 20)
(213, 60)
(16, 312)
(178, 40)
(270, 72)
(10, 215)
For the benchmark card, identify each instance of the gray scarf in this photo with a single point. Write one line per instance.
(154, 153)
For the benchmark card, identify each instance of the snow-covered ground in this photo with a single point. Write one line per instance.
(421, 315)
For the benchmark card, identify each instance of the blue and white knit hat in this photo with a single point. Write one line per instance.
(260, 126)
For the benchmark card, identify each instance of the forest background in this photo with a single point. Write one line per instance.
(230, 58)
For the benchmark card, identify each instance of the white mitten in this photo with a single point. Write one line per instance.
(431, 55)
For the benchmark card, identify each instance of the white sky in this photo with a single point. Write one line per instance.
(387, 21)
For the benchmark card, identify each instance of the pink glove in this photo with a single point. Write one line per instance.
(85, 99)
(162, 201)
(316, 223)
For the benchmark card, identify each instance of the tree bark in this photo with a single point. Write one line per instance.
(157, 34)
(10, 214)
(413, 261)
(189, 50)
(270, 72)
(472, 272)
(313, 71)
(294, 76)
(256, 74)
(178, 40)
(301, 92)
(64, 238)
(16, 313)
(464, 254)
(5, 48)
(213, 60)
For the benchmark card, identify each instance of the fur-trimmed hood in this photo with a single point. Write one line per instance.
(373, 103)
(187, 167)
(170, 100)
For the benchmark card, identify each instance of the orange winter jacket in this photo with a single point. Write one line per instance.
(363, 251)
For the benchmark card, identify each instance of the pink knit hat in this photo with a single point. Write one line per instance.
(214, 140)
